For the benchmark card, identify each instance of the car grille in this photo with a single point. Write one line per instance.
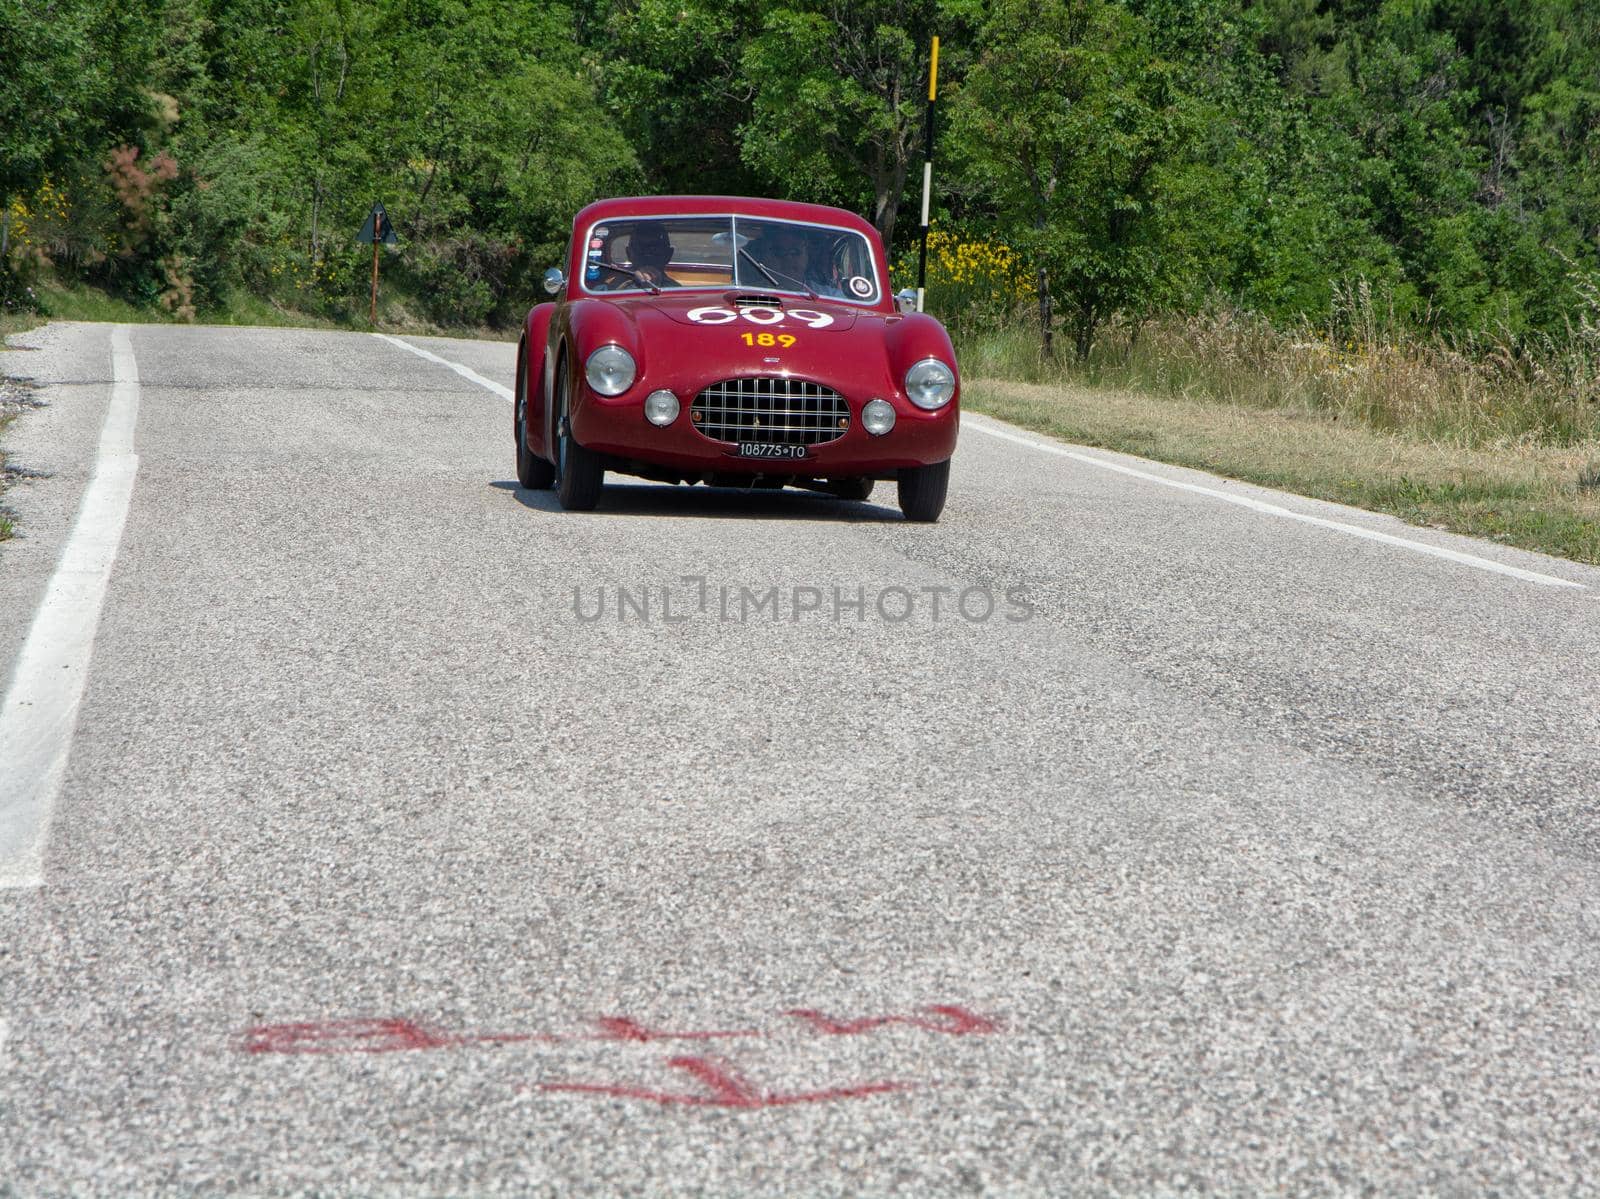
(777, 411)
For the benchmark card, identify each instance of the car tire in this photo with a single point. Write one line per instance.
(922, 491)
(579, 472)
(533, 472)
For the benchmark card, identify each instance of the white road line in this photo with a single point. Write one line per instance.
(1256, 505)
(465, 372)
(40, 710)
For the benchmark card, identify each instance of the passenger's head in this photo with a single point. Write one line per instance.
(648, 246)
(785, 250)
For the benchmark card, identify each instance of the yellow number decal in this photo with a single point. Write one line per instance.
(786, 340)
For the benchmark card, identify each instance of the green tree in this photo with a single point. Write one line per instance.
(1077, 138)
(839, 93)
(670, 72)
(73, 82)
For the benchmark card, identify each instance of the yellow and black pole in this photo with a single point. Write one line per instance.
(927, 173)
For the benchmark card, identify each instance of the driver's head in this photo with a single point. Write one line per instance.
(649, 246)
(786, 250)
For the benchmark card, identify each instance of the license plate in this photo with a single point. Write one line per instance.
(761, 449)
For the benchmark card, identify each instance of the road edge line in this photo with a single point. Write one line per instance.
(466, 372)
(40, 711)
(1244, 501)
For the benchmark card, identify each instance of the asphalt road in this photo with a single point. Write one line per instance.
(1230, 852)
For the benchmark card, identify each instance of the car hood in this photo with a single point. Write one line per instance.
(709, 309)
(683, 340)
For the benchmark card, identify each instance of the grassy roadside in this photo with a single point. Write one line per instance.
(8, 413)
(1535, 497)
(9, 323)
(8, 528)
(80, 302)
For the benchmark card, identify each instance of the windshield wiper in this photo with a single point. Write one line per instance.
(773, 273)
(634, 275)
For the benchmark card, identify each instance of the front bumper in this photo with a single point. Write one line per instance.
(618, 428)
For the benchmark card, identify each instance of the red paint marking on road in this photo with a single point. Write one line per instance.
(397, 1035)
(951, 1020)
(621, 1028)
(726, 1089)
(391, 1035)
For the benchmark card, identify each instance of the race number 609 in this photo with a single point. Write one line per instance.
(713, 315)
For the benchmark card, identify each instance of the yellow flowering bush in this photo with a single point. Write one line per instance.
(31, 218)
(969, 280)
(28, 221)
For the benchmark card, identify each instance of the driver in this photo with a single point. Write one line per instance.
(786, 251)
(650, 252)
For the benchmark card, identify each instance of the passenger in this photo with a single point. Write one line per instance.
(650, 251)
(786, 252)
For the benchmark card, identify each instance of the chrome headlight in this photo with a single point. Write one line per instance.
(610, 370)
(930, 384)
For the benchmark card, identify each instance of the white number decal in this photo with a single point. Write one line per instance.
(759, 316)
(817, 320)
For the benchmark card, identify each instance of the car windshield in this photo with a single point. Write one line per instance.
(655, 254)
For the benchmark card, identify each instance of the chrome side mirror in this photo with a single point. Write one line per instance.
(554, 280)
(906, 299)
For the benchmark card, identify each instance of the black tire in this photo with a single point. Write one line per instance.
(850, 489)
(533, 472)
(579, 472)
(922, 490)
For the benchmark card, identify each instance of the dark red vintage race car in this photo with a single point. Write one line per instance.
(736, 342)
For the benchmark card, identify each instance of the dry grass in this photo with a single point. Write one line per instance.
(1520, 493)
(1488, 435)
(1481, 391)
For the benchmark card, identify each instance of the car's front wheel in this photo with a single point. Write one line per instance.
(579, 472)
(533, 472)
(922, 490)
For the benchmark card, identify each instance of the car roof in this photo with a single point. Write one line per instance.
(786, 210)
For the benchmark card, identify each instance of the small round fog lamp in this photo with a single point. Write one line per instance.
(878, 417)
(661, 408)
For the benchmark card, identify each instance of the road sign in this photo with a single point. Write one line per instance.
(378, 228)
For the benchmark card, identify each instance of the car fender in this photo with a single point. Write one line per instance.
(911, 339)
(591, 324)
(532, 377)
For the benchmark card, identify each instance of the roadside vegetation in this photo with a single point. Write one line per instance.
(1374, 221)
(1489, 435)
(1535, 496)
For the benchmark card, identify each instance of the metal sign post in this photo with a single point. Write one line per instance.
(927, 173)
(377, 230)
